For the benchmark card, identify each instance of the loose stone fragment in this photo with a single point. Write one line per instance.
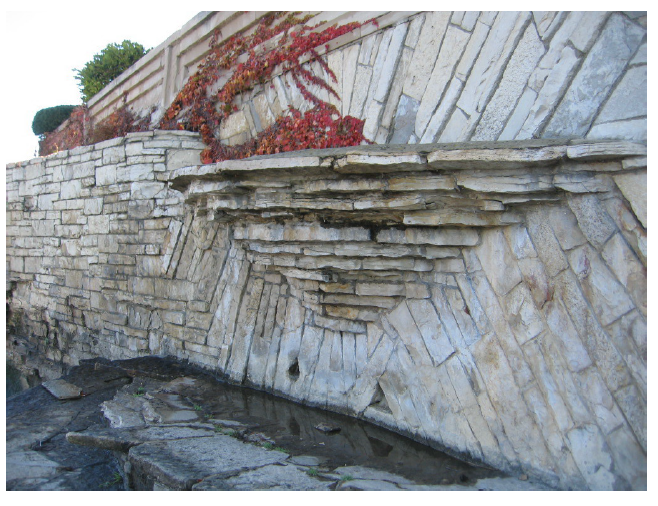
(62, 389)
(327, 428)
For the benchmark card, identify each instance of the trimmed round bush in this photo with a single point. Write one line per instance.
(106, 66)
(48, 119)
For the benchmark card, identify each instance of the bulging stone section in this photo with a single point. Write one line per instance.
(486, 297)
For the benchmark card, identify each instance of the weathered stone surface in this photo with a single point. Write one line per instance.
(604, 64)
(484, 75)
(428, 46)
(445, 237)
(593, 151)
(434, 336)
(631, 458)
(632, 130)
(348, 70)
(405, 120)
(494, 254)
(123, 439)
(29, 465)
(453, 45)
(589, 450)
(521, 64)
(592, 219)
(179, 464)
(364, 473)
(368, 485)
(496, 158)
(62, 389)
(389, 63)
(634, 188)
(550, 92)
(270, 477)
(629, 98)
(628, 270)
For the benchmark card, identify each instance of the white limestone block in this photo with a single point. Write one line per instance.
(427, 49)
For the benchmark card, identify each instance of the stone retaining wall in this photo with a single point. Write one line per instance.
(154, 81)
(489, 298)
(434, 76)
(455, 76)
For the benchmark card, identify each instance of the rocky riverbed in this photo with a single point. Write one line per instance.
(156, 424)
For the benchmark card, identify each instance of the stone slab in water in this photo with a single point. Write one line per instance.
(179, 464)
(124, 439)
(365, 473)
(271, 477)
(307, 460)
(62, 389)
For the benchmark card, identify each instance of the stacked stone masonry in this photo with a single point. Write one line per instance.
(488, 298)
(423, 77)
(486, 295)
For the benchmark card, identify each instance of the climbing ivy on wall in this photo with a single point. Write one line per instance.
(279, 41)
(322, 126)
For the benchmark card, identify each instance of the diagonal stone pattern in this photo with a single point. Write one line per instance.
(485, 297)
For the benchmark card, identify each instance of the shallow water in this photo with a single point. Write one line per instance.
(292, 427)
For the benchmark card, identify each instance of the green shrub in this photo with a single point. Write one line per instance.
(106, 66)
(48, 119)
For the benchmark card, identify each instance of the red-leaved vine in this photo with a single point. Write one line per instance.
(79, 131)
(279, 41)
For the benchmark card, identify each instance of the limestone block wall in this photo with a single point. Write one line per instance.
(487, 298)
(422, 77)
(461, 76)
(83, 228)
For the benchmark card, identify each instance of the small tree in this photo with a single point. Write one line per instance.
(107, 66)
(48, 119)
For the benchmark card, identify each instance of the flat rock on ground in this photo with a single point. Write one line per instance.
(136, 428)
(62, 390)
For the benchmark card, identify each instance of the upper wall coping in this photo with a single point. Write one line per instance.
(116, 141)
(418, 157)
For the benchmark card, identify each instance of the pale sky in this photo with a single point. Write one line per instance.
(42, 45)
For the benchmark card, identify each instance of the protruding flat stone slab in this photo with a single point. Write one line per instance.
(179, 464)
(366, 163)
(124, 439)
(271, 477)
(182, 177)
(503, 158)
(366, 473)
(307, 460)
(606, 150)
(62, 389)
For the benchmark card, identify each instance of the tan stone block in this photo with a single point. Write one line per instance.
(384, 289)
(634, 187)
(497, 260)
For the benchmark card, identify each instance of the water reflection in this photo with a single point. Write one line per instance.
(292, 427)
